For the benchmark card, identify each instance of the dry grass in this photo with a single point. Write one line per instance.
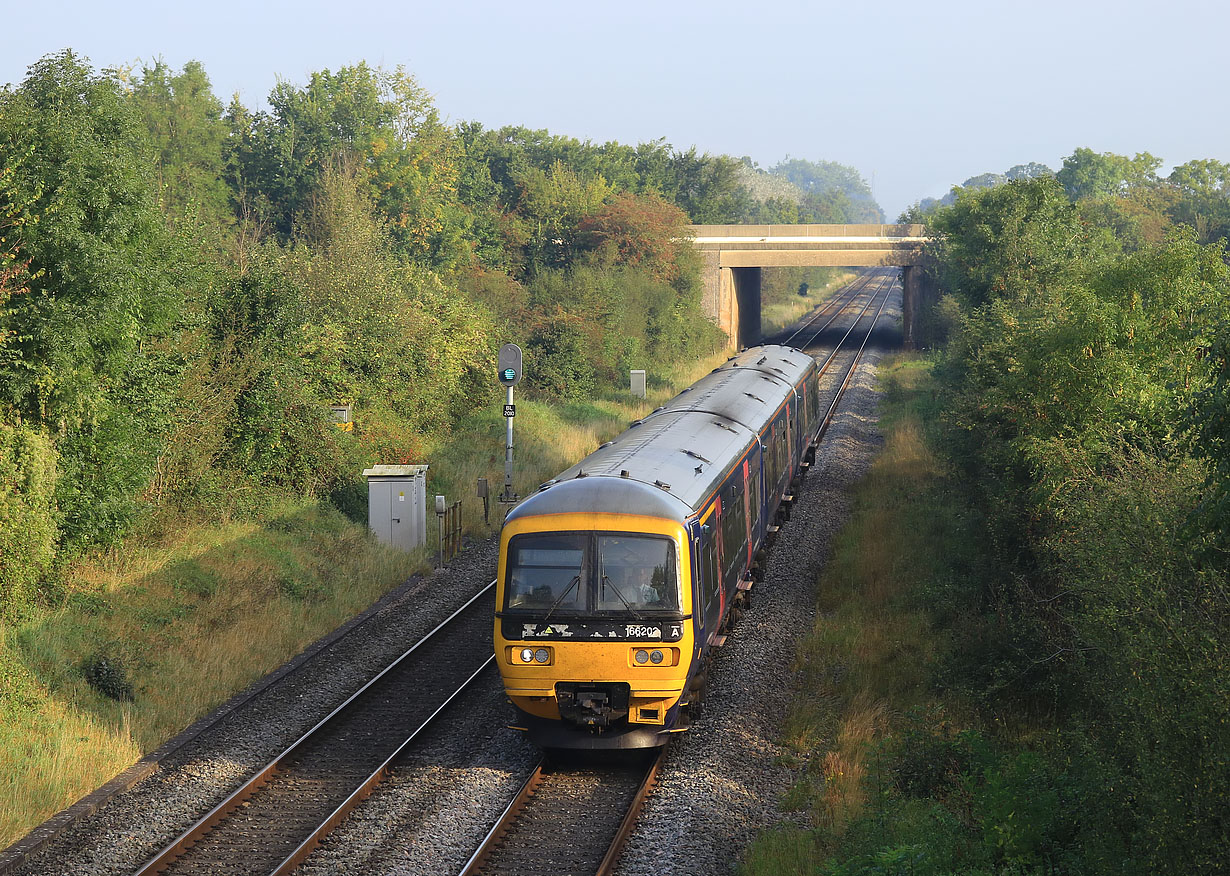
(867, 660)
(50, 752)
(190, 618)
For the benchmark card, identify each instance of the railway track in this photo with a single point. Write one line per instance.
(272, 822)
(568, 819)
(811, 327)
(842, 351)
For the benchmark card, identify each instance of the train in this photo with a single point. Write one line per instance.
(618, 578)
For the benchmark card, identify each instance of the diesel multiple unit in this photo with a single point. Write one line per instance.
(617, 577)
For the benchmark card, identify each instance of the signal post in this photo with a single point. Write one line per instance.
(510, 373)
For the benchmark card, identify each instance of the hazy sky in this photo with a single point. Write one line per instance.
(917, 96)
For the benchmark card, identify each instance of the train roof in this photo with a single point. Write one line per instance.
(667, 464)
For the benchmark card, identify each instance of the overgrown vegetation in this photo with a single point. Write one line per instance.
(1021, 665)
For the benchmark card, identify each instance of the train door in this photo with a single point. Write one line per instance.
(749, 509)
(755, 493)
(709, 601)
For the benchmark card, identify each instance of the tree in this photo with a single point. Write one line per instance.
(382, 119)
(1088, 174)
(820, 178)
(186, 129)
(102, 284)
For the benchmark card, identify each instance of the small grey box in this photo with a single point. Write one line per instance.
(638, 383)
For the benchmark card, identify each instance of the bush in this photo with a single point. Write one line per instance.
(27, 521)
(106, 674)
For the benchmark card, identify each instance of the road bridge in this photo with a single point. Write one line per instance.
(735, 254)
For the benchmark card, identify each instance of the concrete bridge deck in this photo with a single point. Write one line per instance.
(734, 255)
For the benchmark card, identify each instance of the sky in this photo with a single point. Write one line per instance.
(916, 96)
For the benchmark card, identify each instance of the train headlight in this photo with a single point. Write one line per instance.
(642, 656)
(655, 657)
(527, 655)
(542, 655)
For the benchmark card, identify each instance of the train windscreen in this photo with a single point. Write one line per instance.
(606, 574)
(547, 571)
(636, 573)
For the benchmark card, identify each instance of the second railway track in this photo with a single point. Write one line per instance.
(273, 820)
(568, 819)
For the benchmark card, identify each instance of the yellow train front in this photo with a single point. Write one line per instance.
(618, 577)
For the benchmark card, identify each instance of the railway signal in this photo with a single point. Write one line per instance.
(510, 371)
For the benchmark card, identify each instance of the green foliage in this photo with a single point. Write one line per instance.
(187, 132)
(1083, 393)
(76, 346)
(380, 120)
(832, 191)
(27, 515)
(1088, 174)
(107, 675)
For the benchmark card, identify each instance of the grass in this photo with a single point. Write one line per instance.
(182, 623)
(868, 660)
(180, 618)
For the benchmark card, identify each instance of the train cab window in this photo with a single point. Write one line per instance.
(636, 573)
(547, 570)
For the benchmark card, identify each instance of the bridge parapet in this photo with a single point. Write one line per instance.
(734, 255)
(793, 232)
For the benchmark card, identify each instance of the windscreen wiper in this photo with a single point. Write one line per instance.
(628, 605)
(554, 605)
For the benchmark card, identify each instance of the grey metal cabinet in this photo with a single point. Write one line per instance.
(397, 504)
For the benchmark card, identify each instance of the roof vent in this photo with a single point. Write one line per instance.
(605, 444)
(662, 484)
(749, 395)
(762, 360)
(695, 455)
(624, 473)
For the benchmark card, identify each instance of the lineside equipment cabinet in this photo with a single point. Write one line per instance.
(397, 504)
